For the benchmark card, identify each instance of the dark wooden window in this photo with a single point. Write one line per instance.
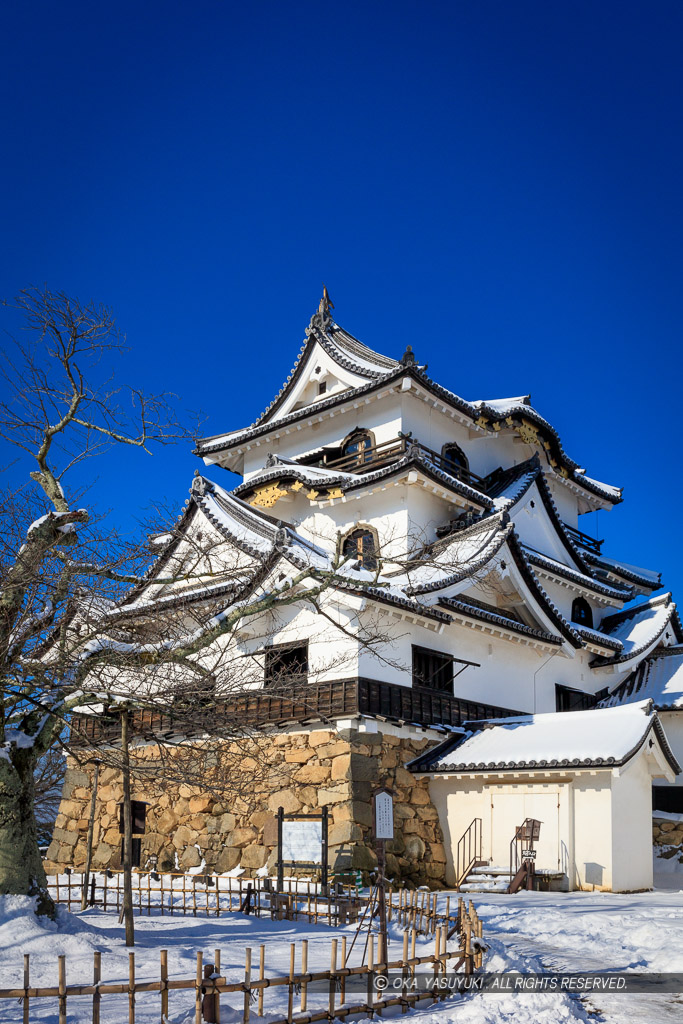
(453, 459)
(567, 699)
(667, 798)
(359, 444)
(286, 664)
(432, 669)
(361, 545)
(138, 813)
(322, 387)
(582, 613)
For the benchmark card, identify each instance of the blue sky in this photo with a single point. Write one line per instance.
(497, 184)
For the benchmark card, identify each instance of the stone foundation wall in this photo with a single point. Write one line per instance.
(667, 833)
(338, 769)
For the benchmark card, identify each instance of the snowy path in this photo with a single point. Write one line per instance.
(596, 932)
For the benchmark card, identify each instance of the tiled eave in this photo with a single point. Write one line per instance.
(475, 617)
(428, 763)
(602, 593)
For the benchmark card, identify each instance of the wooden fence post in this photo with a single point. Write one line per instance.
(96, 979)
(61, 969)
(164, 985)
(290, 992)
(261, 975)
(131, 988)
(27, 984)
(198, 989)
(247, 985)
(304, 970)
(333, 979)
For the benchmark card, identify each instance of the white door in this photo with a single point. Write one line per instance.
(509, 808)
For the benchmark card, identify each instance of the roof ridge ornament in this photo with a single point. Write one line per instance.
(322, 318)
(408, 357)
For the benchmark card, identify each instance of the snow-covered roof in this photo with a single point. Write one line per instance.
(637, 628)
(369, 370)
(648, 579)
(659, 679)
(601, 737)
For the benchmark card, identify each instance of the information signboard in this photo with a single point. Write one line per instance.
(302, 841)
(384, 815)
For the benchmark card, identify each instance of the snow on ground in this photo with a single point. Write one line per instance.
(528, 932)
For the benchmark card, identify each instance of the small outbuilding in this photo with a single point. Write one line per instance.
(585, 775)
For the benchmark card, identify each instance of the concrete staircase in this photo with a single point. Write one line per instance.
(486, 878)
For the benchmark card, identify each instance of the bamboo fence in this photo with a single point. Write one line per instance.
(216, 895)
(209, 985)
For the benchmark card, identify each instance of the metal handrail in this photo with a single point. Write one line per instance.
(468, 851)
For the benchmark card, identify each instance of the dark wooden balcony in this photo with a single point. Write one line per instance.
(368, 459)
(583, 540)
(298, 704)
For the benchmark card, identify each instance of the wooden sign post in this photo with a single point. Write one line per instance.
(383, 805)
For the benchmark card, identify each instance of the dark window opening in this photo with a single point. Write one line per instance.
(359, 444)
(286, 664)
(567, 699)
(361, 545)
(668, 799)
(432, 669)
(453, 459)
(582, 613)
(138, 813)
(322, 387)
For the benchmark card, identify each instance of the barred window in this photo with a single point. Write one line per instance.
(432, 669)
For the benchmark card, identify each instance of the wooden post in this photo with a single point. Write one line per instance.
(131, 988)
(27, 985)
(198, 989)
(333, 979)
(127, 833)
(280, 866)
(290, 987)
(404, 971)
(371, 972)
(62, 988)
(164, 984)
(342, 988)
(217, 968)
(262, 974)
(304, 970)
(247, 985)
(96, 979)
(91, 833)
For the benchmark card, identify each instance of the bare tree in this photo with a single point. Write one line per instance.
(93, 637)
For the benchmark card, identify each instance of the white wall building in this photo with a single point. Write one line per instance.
(452, 529)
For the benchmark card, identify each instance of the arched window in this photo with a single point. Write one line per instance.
(359, 444)
(582, 614)
(361, 544)
(454, 460)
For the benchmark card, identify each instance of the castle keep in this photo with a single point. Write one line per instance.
(478, 652)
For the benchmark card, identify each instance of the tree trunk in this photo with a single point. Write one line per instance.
(127, 909)
(21, 866)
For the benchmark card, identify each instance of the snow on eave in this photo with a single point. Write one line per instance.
(556, 741)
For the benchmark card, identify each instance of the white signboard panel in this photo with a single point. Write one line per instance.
(384, 816)
(302, 841)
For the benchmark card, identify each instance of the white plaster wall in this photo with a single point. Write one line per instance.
(592, 796)
(382, 417)
(632, 826)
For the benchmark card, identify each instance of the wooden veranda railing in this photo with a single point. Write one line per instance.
(375, 456)
(304, 702)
